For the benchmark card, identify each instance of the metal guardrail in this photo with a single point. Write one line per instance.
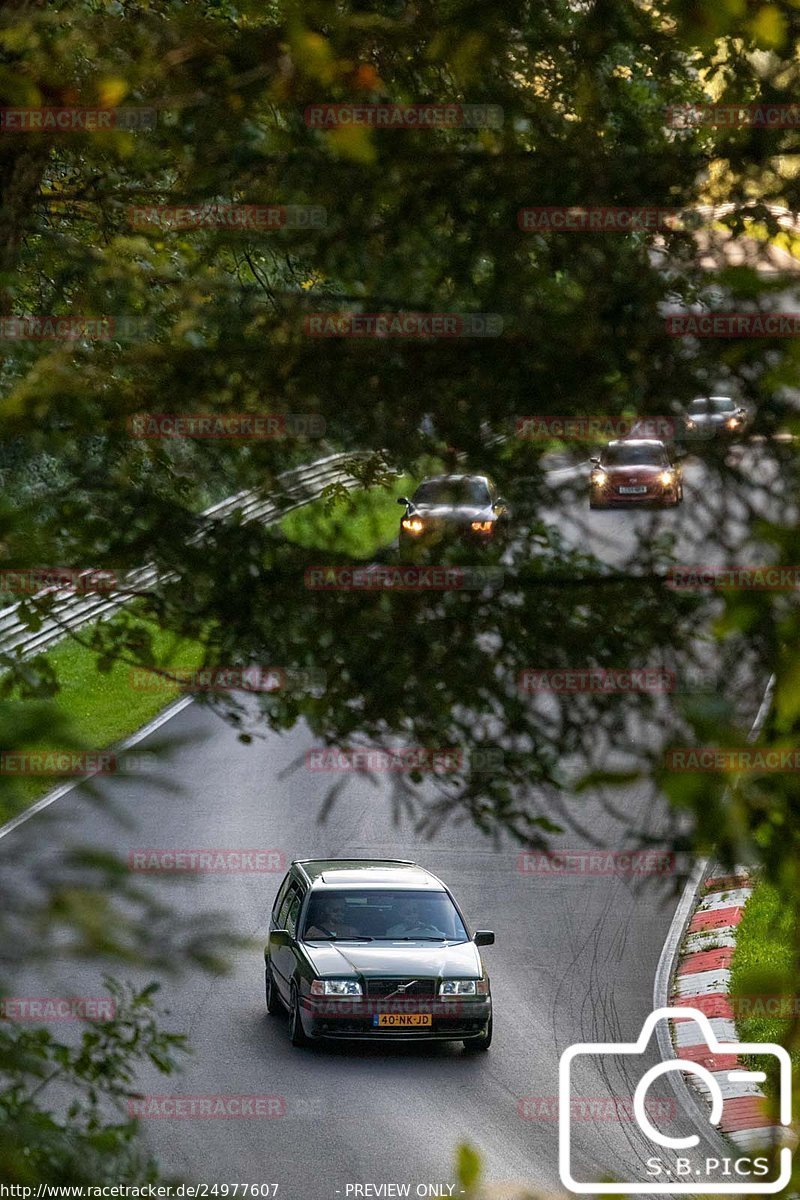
(296, 488)
(785, 217)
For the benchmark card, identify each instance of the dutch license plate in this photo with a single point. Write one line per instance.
(401, 1020)
(632, 491)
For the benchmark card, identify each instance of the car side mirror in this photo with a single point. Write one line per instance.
(403, 500)
(281, 937)
(483, 937)
(500, 502)
(596, 461)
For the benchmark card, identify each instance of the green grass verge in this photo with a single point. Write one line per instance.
(100, 708)
(104, 706)
(762, 970)
(357, 523)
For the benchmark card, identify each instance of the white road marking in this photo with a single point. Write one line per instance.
(166, 715)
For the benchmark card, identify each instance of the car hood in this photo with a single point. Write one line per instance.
(423, 959)
(635, 472)
(712, 418)
(454, 512)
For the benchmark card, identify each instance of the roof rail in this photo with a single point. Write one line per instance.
(405, 862)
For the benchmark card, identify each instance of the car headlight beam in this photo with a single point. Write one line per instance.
(666, 477)
(464, 987)
(412, 524)
(335, 987)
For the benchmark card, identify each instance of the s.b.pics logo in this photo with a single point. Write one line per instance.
(678, 1165)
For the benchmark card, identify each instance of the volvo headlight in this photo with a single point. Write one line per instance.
(599, 477)
(482, 526)
(666, 477)
(335, 987)
(464, 987)
(412, 524)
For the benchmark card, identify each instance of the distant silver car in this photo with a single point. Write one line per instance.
(711, 417)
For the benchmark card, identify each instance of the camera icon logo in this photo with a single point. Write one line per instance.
(695, 1185)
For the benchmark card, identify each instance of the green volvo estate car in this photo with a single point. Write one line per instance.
(375, 948)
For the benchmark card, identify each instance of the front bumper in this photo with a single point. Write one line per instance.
(443, 535)
(452, 1020)
(658, 495)
(712, 433)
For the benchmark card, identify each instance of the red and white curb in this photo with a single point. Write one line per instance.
(702, 981)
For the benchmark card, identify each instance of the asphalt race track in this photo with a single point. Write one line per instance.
(574, 960)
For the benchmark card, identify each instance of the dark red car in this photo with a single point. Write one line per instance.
(635, 471)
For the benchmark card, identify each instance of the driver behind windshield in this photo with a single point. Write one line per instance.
(414, 922)
(329, 919)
